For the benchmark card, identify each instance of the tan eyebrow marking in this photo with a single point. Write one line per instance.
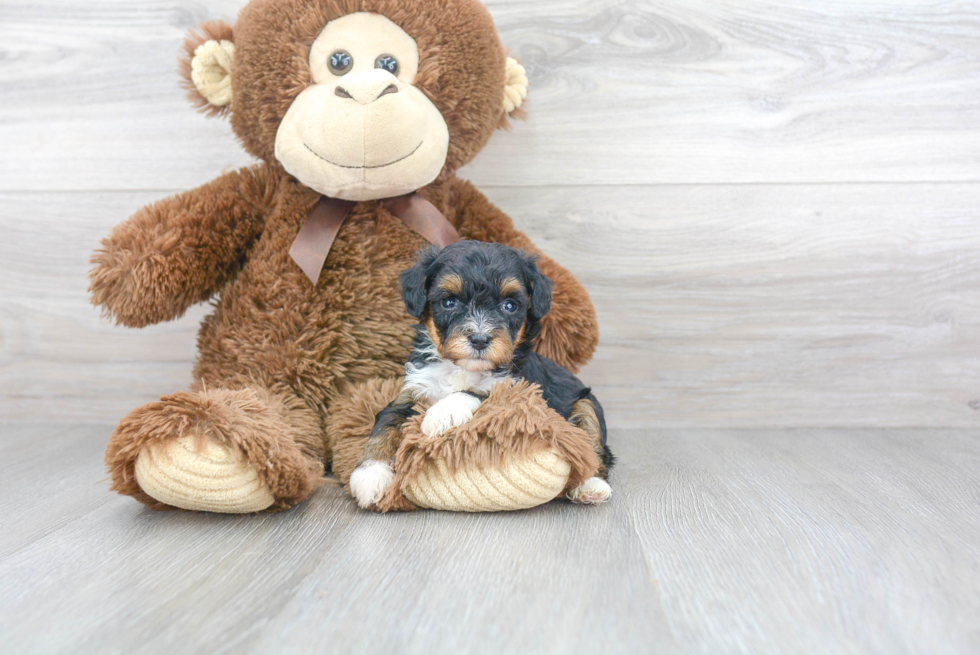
(452, 284)
(511, 286)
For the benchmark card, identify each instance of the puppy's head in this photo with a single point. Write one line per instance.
(479, 302)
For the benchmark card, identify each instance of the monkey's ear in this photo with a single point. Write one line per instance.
(515, 88)
(415, 282)
(540, 288)
(209, 52)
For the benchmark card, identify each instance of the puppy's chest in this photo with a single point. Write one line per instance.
(437, 380)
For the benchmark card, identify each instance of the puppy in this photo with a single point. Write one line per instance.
(479, 305)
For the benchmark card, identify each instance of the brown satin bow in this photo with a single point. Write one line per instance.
(316, 237)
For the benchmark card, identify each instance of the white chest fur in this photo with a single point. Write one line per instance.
(437, 380)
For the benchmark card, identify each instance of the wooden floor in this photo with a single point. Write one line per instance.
(716, 542)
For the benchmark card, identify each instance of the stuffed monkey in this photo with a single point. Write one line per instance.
(360, 112)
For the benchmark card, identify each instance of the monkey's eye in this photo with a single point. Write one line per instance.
(341, 62)
(510, 306)
(388, 63)
(449, 303)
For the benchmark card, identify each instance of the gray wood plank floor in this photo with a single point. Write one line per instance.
(715, 542)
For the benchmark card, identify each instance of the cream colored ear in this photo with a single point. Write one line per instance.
(515, 89)
(211, 71)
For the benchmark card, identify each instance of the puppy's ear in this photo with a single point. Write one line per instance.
(415, 282)
(540, 288)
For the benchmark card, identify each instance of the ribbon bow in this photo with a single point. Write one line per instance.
(316, 237)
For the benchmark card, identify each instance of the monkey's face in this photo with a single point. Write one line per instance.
(358, 99)
(479, 302)
(362, 130)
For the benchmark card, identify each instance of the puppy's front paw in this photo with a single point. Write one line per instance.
(453, 410)
(369, 481)
(591, 492)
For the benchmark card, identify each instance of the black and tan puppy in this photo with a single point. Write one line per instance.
(479, 305)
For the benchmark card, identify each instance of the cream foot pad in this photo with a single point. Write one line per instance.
(516, 485)
(210, 480)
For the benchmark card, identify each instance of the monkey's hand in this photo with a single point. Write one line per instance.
(179, 251)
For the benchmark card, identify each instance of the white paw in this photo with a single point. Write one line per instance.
(591, 492)
(369, 481)
(453, 410)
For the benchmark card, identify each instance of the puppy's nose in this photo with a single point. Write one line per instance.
(479, 341)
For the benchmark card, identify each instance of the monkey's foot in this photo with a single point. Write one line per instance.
(216, 450)
(205, 476)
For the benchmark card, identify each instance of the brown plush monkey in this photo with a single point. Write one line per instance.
(350, 100)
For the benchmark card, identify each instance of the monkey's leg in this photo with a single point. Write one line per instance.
(219, 450)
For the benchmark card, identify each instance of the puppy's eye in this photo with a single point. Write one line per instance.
(388, 63)
(510, 306)
(341, 62)
(449, 303)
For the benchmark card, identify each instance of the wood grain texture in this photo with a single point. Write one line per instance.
(812, 541)
(104, 574)
(739, 305)
(716, 541)
(775, 305)
(633, 92)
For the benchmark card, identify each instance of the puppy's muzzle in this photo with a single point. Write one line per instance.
(479, 350)
(479, 342)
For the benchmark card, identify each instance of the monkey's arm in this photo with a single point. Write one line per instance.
(180, 251)
(570, 331)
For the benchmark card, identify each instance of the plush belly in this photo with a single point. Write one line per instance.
(273, 327)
